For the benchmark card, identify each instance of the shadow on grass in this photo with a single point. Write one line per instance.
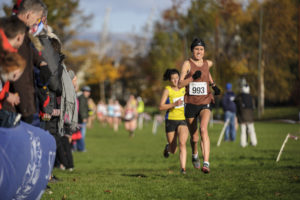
(143, 175)
(135, 175)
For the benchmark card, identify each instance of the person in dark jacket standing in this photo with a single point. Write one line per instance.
(245, 107)
(229, 108)
(83, 115)
(29, 11)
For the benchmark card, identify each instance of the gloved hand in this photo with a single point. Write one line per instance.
(45, 116)
(42, 93)
(197, 74)
(216, 89)
(44, 99)
(45, 74)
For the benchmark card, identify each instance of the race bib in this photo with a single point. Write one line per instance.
(128, 116)
(198, 88)
(177, 99)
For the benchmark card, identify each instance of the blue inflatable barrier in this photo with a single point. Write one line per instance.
(27, 155)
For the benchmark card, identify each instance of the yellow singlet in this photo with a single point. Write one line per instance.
(176, 113)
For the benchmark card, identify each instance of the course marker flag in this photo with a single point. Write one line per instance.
(283, 144)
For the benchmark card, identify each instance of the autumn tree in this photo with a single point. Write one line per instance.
(279, 46)
(231, 32)
(101, 71)
(63, 16)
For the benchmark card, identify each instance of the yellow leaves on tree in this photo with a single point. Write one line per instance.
(100, 72)
(240, 67)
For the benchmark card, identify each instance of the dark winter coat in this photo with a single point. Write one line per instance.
(245, 107)
(228, 102)
(83, 108)
(24, 86)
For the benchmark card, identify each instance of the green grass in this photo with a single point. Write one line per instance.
(118, 167)
(270, 113)
(280, 113)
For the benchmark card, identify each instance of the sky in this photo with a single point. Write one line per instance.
(126, 16)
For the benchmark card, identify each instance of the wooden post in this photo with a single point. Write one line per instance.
(282, 147)
(222, 132)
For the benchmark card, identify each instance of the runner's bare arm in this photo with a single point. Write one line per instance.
(163, 105)
(211, 81)
(210, 64)
(184, 70)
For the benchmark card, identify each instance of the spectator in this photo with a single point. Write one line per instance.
(229, 112)
(50, 115)
(30, 11)
(245, 107)
(12, 31)
(83, 116)
(69, 113)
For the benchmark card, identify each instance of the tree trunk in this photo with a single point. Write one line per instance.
(261, 95)
(102, 90)
(299, 42)
(217, 69)
(260, 72)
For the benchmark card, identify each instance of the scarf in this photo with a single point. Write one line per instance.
(68, 106)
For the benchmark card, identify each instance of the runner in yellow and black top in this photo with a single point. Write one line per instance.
(196, 78)
(172, 100)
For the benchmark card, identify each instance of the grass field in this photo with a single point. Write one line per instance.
(118, 167)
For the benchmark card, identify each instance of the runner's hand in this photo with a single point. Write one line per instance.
(196, 75)
(217, 90)
(179, 102)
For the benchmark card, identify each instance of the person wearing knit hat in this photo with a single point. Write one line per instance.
(229, 109)
(245, 108)
(196, 79)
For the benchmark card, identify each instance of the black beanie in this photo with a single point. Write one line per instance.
(197, 42)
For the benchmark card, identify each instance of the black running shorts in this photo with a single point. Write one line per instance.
(172, 125)
(193, 111)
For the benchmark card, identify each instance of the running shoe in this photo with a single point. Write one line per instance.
(182, 171)
(205, 168)
(196, 162)
(166, 152)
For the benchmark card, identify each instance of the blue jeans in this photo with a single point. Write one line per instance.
(81, 143)
(230, 129)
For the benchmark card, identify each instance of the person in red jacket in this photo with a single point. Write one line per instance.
(12, 31)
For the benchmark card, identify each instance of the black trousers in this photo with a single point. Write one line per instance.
(28, 119)
(67, 146)
(52, 127)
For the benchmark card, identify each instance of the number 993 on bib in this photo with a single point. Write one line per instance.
(198, 88)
